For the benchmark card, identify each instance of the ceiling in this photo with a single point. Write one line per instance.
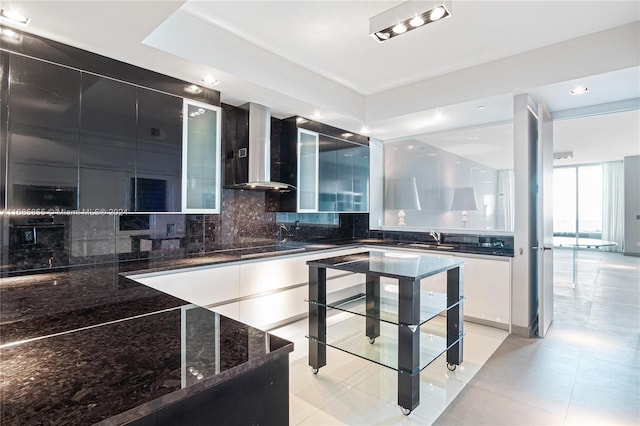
(306, 57)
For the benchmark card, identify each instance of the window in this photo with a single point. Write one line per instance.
(577, 201)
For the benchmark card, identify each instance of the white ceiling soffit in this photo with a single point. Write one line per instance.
(331, 38)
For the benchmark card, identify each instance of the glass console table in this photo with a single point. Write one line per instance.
(390, 324)
(576, 243)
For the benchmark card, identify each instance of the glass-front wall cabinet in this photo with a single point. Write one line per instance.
(201, 158)
(333, 174)
(308, 147)
(455, 179)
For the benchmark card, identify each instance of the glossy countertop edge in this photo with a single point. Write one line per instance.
(223, 256)
(157, 404)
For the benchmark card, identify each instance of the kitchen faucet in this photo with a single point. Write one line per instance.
(436, 236)
(281, 228)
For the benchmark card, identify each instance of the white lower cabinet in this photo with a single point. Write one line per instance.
(201, 286)
(260, 293)
(487, 284)
(264, 293)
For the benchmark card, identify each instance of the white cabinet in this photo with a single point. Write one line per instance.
(260, 293)
(263, 293)
(487, 288)
(487, 284)
(202, 286)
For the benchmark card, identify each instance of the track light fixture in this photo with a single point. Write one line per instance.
(406, 17)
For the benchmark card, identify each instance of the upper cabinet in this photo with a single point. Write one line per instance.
(79, 141)
(333, 172)
(201, 158)
(158, 152)
(107, 143)
(308, 178)
(43, 102)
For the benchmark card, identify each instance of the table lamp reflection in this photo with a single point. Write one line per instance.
(464, 198)
(401, 195)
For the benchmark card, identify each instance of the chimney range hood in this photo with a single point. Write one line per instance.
(250, 164)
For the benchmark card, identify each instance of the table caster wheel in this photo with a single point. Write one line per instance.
(451, 367)
(315, 370)
(405, 411)
(372, 340)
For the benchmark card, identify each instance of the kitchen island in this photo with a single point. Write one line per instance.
(131, 354)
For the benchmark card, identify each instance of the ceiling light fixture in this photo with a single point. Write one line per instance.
(317, 115)
(193, 89)
(210, 80)
(10, 35)
(14, 16)
(416, 22)
(399, 29)
(407, 16)
(579, 90)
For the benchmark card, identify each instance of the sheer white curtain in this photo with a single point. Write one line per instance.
(613, 204)
(504, 211)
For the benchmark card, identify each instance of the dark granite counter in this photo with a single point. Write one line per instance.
(80, 345)
(134, 365)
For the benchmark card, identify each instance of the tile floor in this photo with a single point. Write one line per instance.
(586, 371)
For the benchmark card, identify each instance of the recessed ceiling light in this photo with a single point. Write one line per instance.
(399, 29)
(317, 115)
(193, 89)
(579, 90)
(210, 81)
(347, 135)
(383, 35)
(364, 130)
(417, 21)
(481, 107)
(14, 16)
(437, 13)
(10, 35)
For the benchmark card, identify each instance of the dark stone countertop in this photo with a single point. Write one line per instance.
(127, 368)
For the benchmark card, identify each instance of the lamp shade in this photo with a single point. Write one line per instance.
(464, 198)
(401, 194)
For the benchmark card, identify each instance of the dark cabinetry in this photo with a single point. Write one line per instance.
(107, 143)
(42, 106)
(332, 168)
(159, 150)
(80, 141)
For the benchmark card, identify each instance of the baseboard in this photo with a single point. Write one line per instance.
(519, 331)
(488, 323)
(628, 253)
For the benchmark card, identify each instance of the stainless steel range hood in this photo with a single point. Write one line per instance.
(259, 151)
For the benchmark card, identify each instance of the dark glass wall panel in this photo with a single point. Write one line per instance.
(43, 122)
(159, 149)
(107, 143)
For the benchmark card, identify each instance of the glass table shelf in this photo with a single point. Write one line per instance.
(432, 304)
(347, 334)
